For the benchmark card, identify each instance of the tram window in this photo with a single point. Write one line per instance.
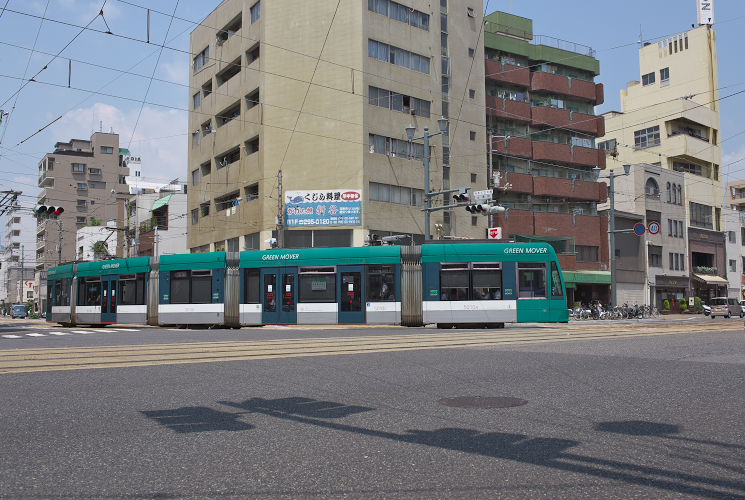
(531, 280)
(180, 287)
(556, 289)
(454, 281)
(131, 289)
(487, 282)
(62, 292)
(201, 287)
(251, 286)
(381, 284)
(91, 292)
(317, 284)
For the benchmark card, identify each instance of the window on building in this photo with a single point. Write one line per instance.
(610, 145)
(191, 287)
(472, 93)
(531, 280)
(587, 253)
(317, 285)
(122, 179)
(94, 171)
(381, 283)
(196, 100)
(82, 186)
(648, 79)
(206, 128)
(652, 189)
(680, 194)
(227, 201)
(474, 220)
(665, 77)
(669, 194)
(732, 265)
(395, 147)
(251, 241)
(253, 53)
(196, 176)
(396, 194)
(682, 262)
(207, 88)
(743, 265)
(132, 289)
(107, 150)
(205, 168)
(647, 137)
(472, 135)
(229, 114)
(399, 57)
(251, 192)
(82, 204)
(255, 12)
(399, 12)
(701, 215)
(232, 69)
(81, 220)
(78, 168)
(471, 52)
(228, 158)
(742, 236)
(654, 255)
(251, 146)
(195, 216)
(676, 258)
(204, 209)
(201, 59)
(252, 99)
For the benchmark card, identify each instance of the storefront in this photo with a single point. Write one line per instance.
(671, 288)
(708, 286)
(587, 287)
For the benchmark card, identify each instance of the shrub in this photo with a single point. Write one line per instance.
(666, 305)
(697, 305)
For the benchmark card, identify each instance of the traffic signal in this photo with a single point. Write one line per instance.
(462, 195)
(484, 209)
(49, 210)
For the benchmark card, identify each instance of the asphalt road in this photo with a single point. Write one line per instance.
(635, 410)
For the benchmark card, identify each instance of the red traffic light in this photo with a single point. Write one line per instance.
(58, 210)
(49, 210)
(461, 197)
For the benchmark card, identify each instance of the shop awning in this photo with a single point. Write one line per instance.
(573, 278)
(161, 202)
(710, 279)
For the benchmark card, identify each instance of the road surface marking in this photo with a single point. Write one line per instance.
(104, 331)
(58, 333)
(80, 358)
(11, 336)
(35, 335)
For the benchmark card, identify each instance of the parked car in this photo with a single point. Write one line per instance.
(727, 307)
(18, 311)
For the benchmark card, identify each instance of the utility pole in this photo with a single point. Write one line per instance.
(612, 226)
(59, 243)
(23, 277)
(155, 241)
(280, 212)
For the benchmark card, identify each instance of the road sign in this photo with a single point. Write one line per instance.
(495, 233)
(639, 229)
(484, 194)
(653, 227)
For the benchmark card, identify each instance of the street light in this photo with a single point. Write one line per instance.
(612, 224)
(442, 122)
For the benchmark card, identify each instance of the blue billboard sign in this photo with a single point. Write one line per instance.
(338, 207)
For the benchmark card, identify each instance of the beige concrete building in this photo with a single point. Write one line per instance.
(670, 119)
(376, 67)
(86, 178)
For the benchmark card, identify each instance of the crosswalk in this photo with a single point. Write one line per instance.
(52, 334)
(97, 357)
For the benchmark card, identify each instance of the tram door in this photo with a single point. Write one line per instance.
(279, 295)
(109, 299)
(351, 294)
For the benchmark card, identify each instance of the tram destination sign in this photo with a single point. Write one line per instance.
(337, 207)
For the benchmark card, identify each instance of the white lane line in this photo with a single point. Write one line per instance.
(11, 336)
(104, 331)
(58, 333)
(35, 335)
(80, 331)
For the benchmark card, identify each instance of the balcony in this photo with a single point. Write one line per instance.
(45, 180)
(567, 188)
(581, 122)
(514, 146)
(521, 183)
(508, 109)
(693, 147)
(564, 85)
(515, 221)
(507, 73)
(564, 153)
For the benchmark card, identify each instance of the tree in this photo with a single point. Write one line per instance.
(95, 222)
(100, 248)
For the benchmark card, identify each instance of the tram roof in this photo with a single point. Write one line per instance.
(321, 256)
(116, 266)
(187, 261)
(485, 252)
(60, 272)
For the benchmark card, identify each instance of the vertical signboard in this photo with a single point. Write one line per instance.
(495, 233)
(338, 207)
(705, 10)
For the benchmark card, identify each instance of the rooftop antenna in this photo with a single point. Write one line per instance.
(100, 126)
(641, 36)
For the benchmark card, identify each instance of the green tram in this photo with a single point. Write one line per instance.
(443, 283)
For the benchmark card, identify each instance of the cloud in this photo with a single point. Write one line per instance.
(160, 138)
(176, 71)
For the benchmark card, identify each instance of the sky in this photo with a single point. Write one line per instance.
(118, 67)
